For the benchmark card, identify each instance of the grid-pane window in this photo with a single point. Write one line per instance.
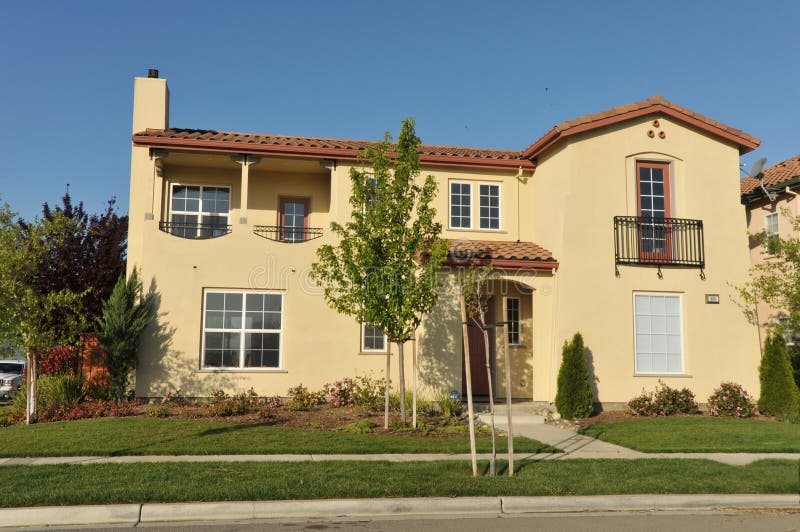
(242, 329)
(294, 220)
(659, 342)
(199, 211)
(513, 317)
(460, 205)
(372, 339)
(771, 223)
(653, 204)
(489, 206)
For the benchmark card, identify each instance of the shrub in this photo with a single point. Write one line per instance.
(368, 392)
(779, 394)
(730, 399)
(423, 405)
(274, 402)
(574, 396)
(60, 360)
(302, 399)
(663, 401)
(161, 410)
(448, 406)
(59, 390)
(342, 393)
(223, 405)
(89, 409)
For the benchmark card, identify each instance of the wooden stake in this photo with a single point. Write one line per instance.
(468, 376)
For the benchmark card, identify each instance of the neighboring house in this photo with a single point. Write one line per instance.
(624, 225)
(768, 217)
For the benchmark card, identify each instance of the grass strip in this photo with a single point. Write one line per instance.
(145, 436)
(184, 482)
(700, 435)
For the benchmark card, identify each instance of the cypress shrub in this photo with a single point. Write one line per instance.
(779, 394)
(574, 396)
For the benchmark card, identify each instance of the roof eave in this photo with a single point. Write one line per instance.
(195, 145)
(554, 135)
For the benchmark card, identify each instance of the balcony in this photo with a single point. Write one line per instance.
(290, 235)
(659, 242)
(194, 231)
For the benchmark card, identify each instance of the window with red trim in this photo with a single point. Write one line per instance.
(294, 219)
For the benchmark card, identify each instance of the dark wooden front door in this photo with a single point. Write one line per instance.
(477, 356)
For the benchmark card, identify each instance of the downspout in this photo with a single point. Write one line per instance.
(519, 179)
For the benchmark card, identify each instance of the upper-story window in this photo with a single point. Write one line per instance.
(489, 206)
(294, 219)
(771, 231)
(462, 208)
(653, 203)
(461, 205)
(199, 211)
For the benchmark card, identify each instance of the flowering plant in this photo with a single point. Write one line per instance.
(730, 399)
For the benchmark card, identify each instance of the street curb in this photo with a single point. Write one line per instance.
(110, 514)
(134, 514)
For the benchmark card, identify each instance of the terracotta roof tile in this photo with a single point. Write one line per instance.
(320, 143)
(492, 250)
(773, 176)
(657, 104)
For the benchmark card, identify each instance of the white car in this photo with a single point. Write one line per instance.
(12, 374)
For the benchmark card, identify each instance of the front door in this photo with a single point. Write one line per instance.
(477, 356)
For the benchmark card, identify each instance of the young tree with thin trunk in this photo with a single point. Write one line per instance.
(474, 284)
(383, 271)
(32, 318)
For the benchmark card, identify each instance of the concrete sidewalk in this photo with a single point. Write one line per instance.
(133, 515)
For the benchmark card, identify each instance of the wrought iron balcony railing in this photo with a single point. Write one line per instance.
(195, 231)
(291, 235)
(659, 241)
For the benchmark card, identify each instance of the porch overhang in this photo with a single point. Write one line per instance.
(500, 254)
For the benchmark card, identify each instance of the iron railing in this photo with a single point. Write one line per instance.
(195, 231)
(659, 241)
(291, 235)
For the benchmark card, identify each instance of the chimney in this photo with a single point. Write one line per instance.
(150, 102)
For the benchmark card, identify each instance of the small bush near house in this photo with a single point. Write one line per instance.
(62, 390)
(89, 409)
(779, 397)
(730, 399)
(663, 401)
(302, 399)
(423, 404)
(448, 406)
(274, 402)
(342, 393)
(574, 396)
(161, 411)
(223, 405)
(369, 392)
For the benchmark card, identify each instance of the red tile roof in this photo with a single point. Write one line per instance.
(653, 105)
(323, 147)
(774, 175)
(502, 254)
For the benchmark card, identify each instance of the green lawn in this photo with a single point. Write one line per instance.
(700, 435)
(142, 436)
(178, 482)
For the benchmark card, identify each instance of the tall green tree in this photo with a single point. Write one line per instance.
(383, 269)
(32, 317)
(126, 314)
(574, 396)
(779, 394)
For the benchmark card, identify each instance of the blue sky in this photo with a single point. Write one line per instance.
(487, 74)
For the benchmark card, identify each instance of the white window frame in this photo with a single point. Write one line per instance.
(364, 349)
(682, 371)
(242, 331)
(450, 205)
(767, 219)
(518, 321)
(201, 214)
(499, 207)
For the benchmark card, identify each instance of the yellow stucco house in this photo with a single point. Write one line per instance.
(624, 225)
